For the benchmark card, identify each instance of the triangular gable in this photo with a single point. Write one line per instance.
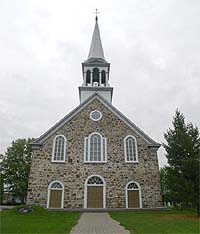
(39, 141)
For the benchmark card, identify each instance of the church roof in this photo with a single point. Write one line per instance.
(78, 109)
(96, 48)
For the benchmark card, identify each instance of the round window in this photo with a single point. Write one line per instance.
(95, 115)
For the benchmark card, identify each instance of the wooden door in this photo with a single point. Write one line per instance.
(133, 199)
(95, 197)
(55, 198)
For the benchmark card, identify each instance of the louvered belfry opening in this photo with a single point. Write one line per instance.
(95, 77)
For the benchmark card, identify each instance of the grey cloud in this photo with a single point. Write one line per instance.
(153, 47)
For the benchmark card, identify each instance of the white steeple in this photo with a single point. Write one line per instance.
(95, 70)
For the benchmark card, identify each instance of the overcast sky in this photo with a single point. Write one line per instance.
(153, 47)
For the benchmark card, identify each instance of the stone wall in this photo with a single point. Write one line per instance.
(115, 172)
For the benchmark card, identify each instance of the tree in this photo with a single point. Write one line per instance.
(170, 186)
(1, 180)
(183, 154)
(167, 195)
(1, 189)
(16, 167)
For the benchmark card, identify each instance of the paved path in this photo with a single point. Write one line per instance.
(97, 223)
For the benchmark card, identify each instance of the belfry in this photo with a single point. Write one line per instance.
(96, 70)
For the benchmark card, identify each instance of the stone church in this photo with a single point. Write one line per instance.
(95, 157)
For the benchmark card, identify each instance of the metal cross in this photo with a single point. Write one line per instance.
(96, 12)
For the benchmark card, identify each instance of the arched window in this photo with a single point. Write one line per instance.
(55, 197)
(95, 77)
(88, 75)
(103, 77)
(130, 148)
(94, 180)
(133, 195)
(95, 148)
(59, 149)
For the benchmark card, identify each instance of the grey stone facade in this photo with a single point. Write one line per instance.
(74, 172)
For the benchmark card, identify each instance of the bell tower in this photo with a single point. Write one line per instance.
(96, 70)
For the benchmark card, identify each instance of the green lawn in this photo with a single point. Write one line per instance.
(42, 221)
(172, 222)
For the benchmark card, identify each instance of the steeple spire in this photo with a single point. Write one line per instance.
(96, 70)
(96, 49)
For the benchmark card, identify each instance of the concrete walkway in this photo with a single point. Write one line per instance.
(97, 223)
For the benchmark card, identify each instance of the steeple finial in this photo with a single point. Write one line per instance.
(96, 12)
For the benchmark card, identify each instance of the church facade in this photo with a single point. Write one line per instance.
(95, 157)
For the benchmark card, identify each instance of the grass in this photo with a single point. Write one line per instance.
(41, 221)
(173, 222)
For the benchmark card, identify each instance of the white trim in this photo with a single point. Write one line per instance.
(85, 144)
(79, 108)
(140, 194)
(87, 140)
(93, 118)
(49, 191)
(53, 149)
(136, 150)
(105, 148)
(104, 190)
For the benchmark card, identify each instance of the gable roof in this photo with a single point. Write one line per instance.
(39, 141)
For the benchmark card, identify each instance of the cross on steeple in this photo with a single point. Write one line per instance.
(96, 12)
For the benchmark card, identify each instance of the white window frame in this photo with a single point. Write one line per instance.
(87, 141)
(140, 194)
(136, 150)
(93, 118)
(104, 190)
(49, 193)
(53, 149)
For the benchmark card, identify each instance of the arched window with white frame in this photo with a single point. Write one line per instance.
(59, 149)
(130, 149)
(95, 148)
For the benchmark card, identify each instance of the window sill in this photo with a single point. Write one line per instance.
(94, 162)
(131, 162)
(58, 161)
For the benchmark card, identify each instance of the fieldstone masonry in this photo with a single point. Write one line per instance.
(74, 172)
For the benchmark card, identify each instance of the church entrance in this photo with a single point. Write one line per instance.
(55, 199)
(55, 195)
(95, 197)
(133, 195)
(94, 192)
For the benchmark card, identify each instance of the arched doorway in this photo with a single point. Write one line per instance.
(55, 195)
(133, 195)
(95, 192)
